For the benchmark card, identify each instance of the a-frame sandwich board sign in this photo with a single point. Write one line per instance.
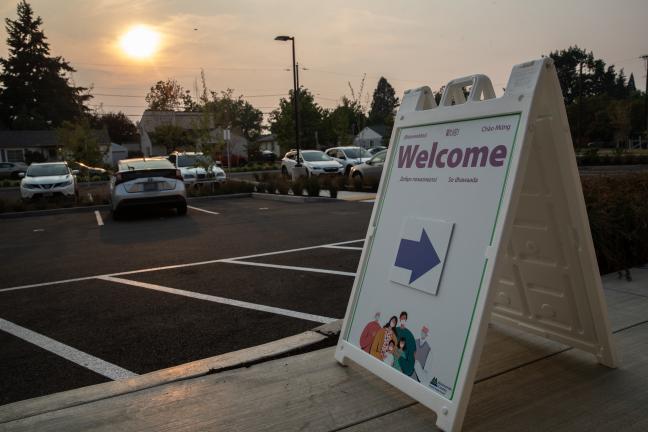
(479, 215)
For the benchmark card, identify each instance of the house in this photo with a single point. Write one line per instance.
(190, 121)
(15, 145)
(269, 143)
(372, 136)
(115, 154)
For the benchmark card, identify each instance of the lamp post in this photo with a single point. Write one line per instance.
(295, 93)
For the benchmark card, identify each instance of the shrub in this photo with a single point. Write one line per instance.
(261, 187)
(313, 186)
(333, 185)
(618, 216)
(283, 186)
(297, 186)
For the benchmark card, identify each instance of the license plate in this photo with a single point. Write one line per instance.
(48, 194)
(150, 187)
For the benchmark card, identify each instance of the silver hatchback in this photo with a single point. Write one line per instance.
(147, 182)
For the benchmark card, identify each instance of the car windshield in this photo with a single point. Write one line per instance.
(47, 170)
(356, 153)
(315, 156)
(193, 160)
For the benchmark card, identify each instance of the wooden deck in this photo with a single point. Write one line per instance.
(525, 383)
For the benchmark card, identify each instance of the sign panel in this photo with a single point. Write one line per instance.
(479, 204)
(443, 189)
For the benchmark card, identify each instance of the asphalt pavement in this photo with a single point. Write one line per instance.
(85, 299)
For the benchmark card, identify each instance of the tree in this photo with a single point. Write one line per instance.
(173, 138)
(35, 89)
(120, 128)
(632, 88)
(310, 121)
(79, 142)
(229, 112)
(383, 104)
(346, 121)
(168, 96)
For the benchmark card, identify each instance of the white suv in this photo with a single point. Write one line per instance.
(349, 156)
(314, 161)
(196, 168)
(48, 180)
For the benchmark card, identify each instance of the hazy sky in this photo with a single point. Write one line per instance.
(411, 43)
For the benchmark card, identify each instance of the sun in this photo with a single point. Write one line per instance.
(140, 42)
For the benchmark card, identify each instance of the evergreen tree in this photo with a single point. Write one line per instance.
(383, 105)
(632, 88)
(35, 89)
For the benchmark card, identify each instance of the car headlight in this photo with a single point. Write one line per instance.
(63, 184)
(188, 176)
(316, 168)
(30, 186)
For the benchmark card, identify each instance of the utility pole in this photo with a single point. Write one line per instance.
(645, 58)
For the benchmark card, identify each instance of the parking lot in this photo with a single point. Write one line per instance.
(85, 299)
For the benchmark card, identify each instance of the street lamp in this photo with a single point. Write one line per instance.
(295, 93)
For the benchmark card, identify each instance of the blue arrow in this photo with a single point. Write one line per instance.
(417, 256)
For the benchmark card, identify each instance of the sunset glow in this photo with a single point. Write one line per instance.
(140, 42)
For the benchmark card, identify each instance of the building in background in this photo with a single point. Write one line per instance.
(372, 136)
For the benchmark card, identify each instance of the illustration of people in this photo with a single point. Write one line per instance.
(389, 355)
(369, 333)
(380, 344)
(422, 352)
(399, 353)
(406, 362)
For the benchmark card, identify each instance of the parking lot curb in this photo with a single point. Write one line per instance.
(324, 335)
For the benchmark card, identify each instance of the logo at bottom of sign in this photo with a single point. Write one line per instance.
(420, 255)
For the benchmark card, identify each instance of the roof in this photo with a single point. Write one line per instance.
(266, 138)
(379, 129)
(185, 120)
(40, 138)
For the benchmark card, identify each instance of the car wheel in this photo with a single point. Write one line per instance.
(182, 209)
(356, 181)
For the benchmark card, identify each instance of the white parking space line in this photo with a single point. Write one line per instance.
(285, 267)
(58, 282)
(343, 247)
(222, 300)
(95, 364)
(99, 219)
(173, 266)
(202, 210)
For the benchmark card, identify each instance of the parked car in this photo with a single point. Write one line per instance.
(142, 182)
(196, 168)
(12, 169)
(315, 162)
(52, 179)
(373, 150)
(370, 171)
(349, 156)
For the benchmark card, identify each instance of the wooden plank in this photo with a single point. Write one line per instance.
(565, 392)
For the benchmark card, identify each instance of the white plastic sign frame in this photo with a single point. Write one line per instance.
(503, 236)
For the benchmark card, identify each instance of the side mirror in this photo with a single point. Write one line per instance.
(21, 174)
(369, 162)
